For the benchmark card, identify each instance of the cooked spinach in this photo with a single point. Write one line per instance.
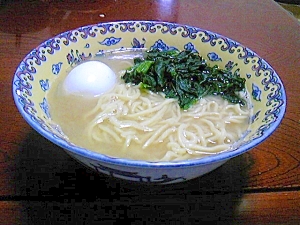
(184, 75)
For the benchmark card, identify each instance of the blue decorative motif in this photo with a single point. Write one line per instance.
(147, 27)
(256, 92)
(190, 47)
(255, 116)
(45, 107)
(190, 32)
(248, 75)
(87, 45)
(230, 65)
(127, 26)
(159, 44)
(110, 41)
(213, 56)
(52, 45)
(44, 84)
(134, 176)
(88, 31)
(104, 28)
(138, 44)
(67, 37)
(77, 57)
(171, 28)
(38, 56)
(56, 68)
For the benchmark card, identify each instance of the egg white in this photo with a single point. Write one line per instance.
(91, 78)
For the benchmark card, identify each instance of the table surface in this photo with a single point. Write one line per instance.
(41, 184)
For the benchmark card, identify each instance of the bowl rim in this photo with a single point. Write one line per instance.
(215, 158)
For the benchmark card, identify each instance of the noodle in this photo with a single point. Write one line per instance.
(129, 123)
(201, 130)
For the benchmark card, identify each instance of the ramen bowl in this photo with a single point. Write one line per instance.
(43, 65)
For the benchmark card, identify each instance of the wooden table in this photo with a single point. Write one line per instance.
(40, 184)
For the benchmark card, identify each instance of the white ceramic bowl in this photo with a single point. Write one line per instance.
(42, 65)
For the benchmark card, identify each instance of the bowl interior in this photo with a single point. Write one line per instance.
(39, 69)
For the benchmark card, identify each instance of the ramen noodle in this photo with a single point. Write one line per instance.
(127, 122)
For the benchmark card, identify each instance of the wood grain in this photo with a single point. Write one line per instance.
(228, 208)
(260, 208)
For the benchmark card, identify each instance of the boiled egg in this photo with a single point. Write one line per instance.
(91, 78)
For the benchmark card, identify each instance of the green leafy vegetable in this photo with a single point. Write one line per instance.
(184, 75)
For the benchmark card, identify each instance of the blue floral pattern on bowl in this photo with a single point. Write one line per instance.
(213, 56)
(44, 84)
(56, 68)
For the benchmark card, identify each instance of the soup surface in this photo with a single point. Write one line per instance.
(129, 123)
